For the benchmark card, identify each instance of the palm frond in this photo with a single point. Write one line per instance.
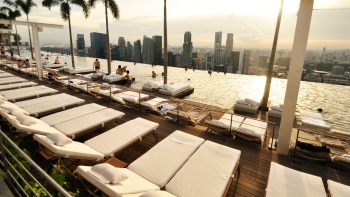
(65, 11)
(14, 14)
(50, 3)
(10, 3)
(114, 8)
(92, 3)
(84, 5)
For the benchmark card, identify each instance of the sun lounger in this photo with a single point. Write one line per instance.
(121, 136)
(130, 97)
(106, 91)
(77, 70)
(192, 117)
(80, 124)
(134, 184)
(10, 80)
(160, 106)
(53, 65)
(208, 172)
(152, 85)
(17, 85)
(252, 130)
(150, 193)
(247, 105)
(275, 111)
(112, 78)
(4, 75)
(292, 183)
(312, 119)
(69, 82)
(338, 189)
(174, 89)
(112, 142)
(223, 124)
(49, 103)
(22, 93)
(160, 163)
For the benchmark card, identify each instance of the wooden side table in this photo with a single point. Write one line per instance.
(116, 162)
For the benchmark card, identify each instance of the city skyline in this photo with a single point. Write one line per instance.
(252, 22)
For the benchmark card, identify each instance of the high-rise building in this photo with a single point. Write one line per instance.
(263, 62)
(129, 52)
(157, 40)
(229, 48)
(209, 63)
(219, 55)
(81, 46)
(137, 51)
(235, 61)
(246, 61)
(122, 49)
(147, 50)
(187, 50)
(98, 45)
(115, 53)
(217, 44)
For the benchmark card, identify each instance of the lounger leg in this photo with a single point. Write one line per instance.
(155, 134)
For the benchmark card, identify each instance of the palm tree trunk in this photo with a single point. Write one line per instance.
(71, 42)
(30, 40)
(272, 61)
(165, 46)
(17, 40)
(108, 47)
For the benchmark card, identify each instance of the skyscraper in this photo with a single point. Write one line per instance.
(219, 55)
(137, 51)
(81, 45)
(235, 61)
(98, 45)
(217, 44)
(246, 61)
(147, 50)
(157, 50)
(129, 52)
(187, 50)
(122, 49)
(229, 48)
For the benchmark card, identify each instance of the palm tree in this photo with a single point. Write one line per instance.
(165, 46)
(113, 7)
(65, 13)
(272, 60)
(25, 7)
(12, 15)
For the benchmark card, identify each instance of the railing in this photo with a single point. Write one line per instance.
(19, 177)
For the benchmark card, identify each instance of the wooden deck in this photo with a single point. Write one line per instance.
(254, 162)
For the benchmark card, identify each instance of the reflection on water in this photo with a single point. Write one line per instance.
(223, 90)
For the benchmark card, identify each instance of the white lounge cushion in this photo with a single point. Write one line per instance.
(282, 105)
(76, 150)
(134, 184)
(152, 84)
(59, 139)
(121, 136)
(161, 162)
(3, 98)
(206, 173)
(158, 193)
(168, 87)
(338, 189)
(252, 102)
(288, 182)
(276, 108)
(10, 107)
(242, 102)
(26, 120)
(108, 173)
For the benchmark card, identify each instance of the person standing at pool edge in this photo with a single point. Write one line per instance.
(97, 65)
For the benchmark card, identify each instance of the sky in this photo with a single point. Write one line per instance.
(252, 22)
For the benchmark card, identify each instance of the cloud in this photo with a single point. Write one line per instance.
(249, 33)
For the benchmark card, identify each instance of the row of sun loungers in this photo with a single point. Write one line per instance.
(284, 181)
(182, 164)
(171, 89)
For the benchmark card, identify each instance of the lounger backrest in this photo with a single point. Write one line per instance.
(160, 163)
(338, 189)
(206, 173)
(121, 136)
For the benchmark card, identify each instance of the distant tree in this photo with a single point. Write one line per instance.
(12, 15)
(65, 14)
(113, 7)
(25, 7)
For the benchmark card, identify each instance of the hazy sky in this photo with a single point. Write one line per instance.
(252, 22)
